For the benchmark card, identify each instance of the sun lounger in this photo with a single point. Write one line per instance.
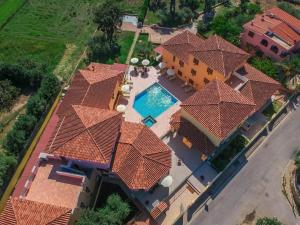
(188, 89)
(171, 77)
(126, 95)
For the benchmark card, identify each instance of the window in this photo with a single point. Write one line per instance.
(173, 67)
(181, 63)
(209, 71)
(179, 73)
(264, 42)
(274, 49)
(193, 72)
(250, 34)
(206, 81)
(196, 61)
(284, 54)
(174, 58)
(191, 82)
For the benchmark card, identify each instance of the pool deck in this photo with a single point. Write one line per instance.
(162, 127)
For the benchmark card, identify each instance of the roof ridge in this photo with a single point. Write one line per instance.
(100, 150)
(117, 114)
(147, 157)
(56, 133)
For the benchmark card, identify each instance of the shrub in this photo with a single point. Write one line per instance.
(268, 221)
(7, 165)
(8, 94)
(114, 212)
(49, 87)
(267, 66)
(15, 141)
(25, 122)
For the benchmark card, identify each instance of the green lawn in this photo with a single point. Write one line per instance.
(272, 109)
(227, 154)
(8, 8)
(125, 39)
(131, 6)
(53, 32)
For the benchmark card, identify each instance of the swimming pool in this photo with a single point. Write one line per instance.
(153, 101)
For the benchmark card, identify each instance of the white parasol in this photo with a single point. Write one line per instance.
(134, 60)
(121, 108)
(145, 62)
(167, 181)
(170, 72)
(125, 88)
(161, 65)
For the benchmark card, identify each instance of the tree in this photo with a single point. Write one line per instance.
(49, 87)
(15, 141)
(243, 5)
(99, 50)
(108, 18)
(172, 7)
(291, 66)
(209, 12)
(26, 123)
(114, 212)
(8, 94)
(266, 66)
(268, 221)
(191, 4)
(7, 166)
(36, 105)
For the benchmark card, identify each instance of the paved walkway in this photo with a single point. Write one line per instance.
(257, 187)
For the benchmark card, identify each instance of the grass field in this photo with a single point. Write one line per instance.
(52, 32)
(8, 8)
(131, 6)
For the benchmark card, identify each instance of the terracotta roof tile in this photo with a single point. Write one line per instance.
(259, 87)
(279, 22)
(141, 158)
(220, 55)
(23, 212)
(219, 108)
(183, 44)
(216, 52)
(86, 133)
(92, 88)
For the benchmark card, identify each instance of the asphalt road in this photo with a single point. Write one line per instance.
(257, 188)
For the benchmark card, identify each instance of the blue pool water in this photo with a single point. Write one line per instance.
(153, 101)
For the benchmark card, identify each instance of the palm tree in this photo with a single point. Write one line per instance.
(172, 7)
(290, 67)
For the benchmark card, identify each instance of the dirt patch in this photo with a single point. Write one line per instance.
(20, 103)
(250, 218)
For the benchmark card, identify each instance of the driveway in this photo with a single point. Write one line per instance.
(256, 189)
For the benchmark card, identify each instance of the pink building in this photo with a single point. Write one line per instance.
(275, 33)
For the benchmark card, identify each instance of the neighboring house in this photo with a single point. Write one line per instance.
(197, 61)
(275, 33)
(90, 139)
(236, 91)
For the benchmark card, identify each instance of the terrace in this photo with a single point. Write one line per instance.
(190, 174)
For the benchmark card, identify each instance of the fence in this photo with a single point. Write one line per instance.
(233, 167)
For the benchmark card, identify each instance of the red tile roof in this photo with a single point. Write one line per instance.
(23, 212)
(192, 133)
(141, 158)
(279, 22)
(220, 55)
(86, 133)
(259, 87)
(88, 85)
(183, 44)
(217, 53)
(218, 108)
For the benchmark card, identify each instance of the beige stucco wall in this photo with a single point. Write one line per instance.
(114, 97)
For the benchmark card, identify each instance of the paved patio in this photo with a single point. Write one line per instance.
(140, 83)
(257, 121)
